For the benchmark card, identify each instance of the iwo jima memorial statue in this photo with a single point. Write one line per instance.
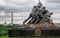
(39, 24)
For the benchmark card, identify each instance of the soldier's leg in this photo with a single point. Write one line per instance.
(33, 21)
(29, 21)
(36, 22)
(26, 19)
(38, 19)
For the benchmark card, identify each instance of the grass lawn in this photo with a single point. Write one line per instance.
(3, 37)
(28, 37)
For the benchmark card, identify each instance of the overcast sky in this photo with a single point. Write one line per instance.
(22, 8)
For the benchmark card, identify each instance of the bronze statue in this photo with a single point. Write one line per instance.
(38, 15)
(32, 16)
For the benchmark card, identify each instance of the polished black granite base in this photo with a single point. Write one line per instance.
(18, 33)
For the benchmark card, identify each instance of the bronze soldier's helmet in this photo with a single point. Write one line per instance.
(44, 7)
(34, 6)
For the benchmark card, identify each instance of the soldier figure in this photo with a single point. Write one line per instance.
(45, 14)
(39, 14)
(42, 13)
(32, 16)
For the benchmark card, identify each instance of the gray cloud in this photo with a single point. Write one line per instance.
(53, 1)
(2, 8)
(2, 18)
(15, 6)
(15, 10)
